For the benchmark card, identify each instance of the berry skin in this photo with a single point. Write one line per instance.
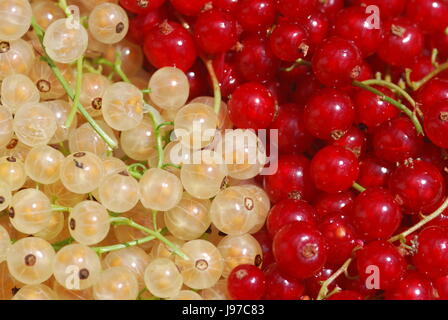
(299, 250)
(403, 42)
(265, 242)
(388, 8)
(430, 15)
(288, 211)
(292, 135)
(297, 8)
(386, 257)
(417, 186)
(256, 15)
(292, 180)
(215, 32)
(431, 257)
(334, 169)
(396, 141)
(317, 25)
(314, 283)
(441, 285)
(289, 42)
(436, 123)
(256, 61)
(354, 140)
(375, 214)
(228, 75)
(413, 287)
(374, 172)
(329, 114)
(432, 93)
(246, 282)
(371, 109)
(280, 286)
(226, 5)
(350, 24)
(337, 62)
(142, 24)
(346, 295)
(141, 6)
(330, 203)
(330, 7)
(189, 8)
(170, 45)
(252, 106)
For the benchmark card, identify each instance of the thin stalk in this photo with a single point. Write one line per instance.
(323, 292)
(217, 96)
(76, 102)
(116, 66)
(298, 62)
(423, 222)
(61, 244)
(393, 87)
(119, 246)
(418, 84)
(59, 208)
(159, 140)
(395, 103)
(358, 187)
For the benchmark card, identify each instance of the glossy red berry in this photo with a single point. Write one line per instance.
(374, 172)
(252, 106)
(421, 67)
(265, 242)
(330, 203)
(292, 135)
(215, 32)
(417, 186)
(376, 215)
(396, 140)
(381, 259)
(371, 110)
(317, 25)
(353, 140)
(329, 114)
(228, 75)
(289, 42)
(403, 42)
(297, 8)
(198, 80)
(256, 61)
(431, 93)
(226, 5)
(288, 211)
(352, 24)
(439, 41)
(431, 257)
(141, 24)
(337, 62)
(334, 169)
(255, 15)
(314, 284)
(308, 85)
(291, 180)
(346, 295)
(299, 250)
(170, 45)
(330, 7)
(246, 282)
(340, 237)
(280, 286)
(436, 123)
(141, 6)
(388, 8)
(413, 287)
(430, 15)
(190, 7)
(441, 285)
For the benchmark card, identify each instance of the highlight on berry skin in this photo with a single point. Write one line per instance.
(223, 150)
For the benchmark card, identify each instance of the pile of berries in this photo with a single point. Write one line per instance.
(223, 149)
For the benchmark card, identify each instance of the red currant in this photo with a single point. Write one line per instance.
(346, 295)
(353, 140)
(329, 203)
(190, 7)
(227, 73)
(297, 8)
(317, 26)
(441, 285)
(431, 93)
(431, 257)
(141, 6)
(256, 15)
(330, 7)
(436, 123)
(374, 172)
(430, 15)
(289, 42)
(246, 282)
(388, 8)
(142, 24)
(265, 242)
(226, 5)
(280, 286)
(413, 287)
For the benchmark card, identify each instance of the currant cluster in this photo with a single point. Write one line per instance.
(128, 130)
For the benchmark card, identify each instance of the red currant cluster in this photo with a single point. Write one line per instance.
(358, 91)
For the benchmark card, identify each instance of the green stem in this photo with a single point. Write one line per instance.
(165, 124)
(358, 187)
(393, 87)
(74, 110)
(216, 87)
(166, 165)
(59, 245)
(395, 103)
(298, 62)
(418, 84)
(154, 219)
(155, 234)
(134, 170)
(63, 5)
(423, 222)
(120, 246)
(116, 66)
(159, 140)
(56, 207)
(323, 292)
(144, 91)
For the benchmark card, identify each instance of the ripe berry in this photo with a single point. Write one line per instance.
(353, 140)
(351, 24)
(413, 287)
(190, 7)
(403, 42)
(375, 214)
(308, 85)
(337, 62)
(141, 6)
(430, 15)
(396, 140)
(431, 93)
(265, 242)
(280, 286)
(292, 179)
(297, 8)
(292, 136)
(226, 5)
(346, 295)
(314, 284)
(198, 80)
(390, 264)
(374, 172)
(252, 107)
(330, 7)
(299, 250)
(215, 32)
(436, 123)
(288, 211)
(340, 237)
(256, 15)
(388, 8)
(289, 42)
(228, 76)
(329, 114)
(431, 257)
(142, 24)
(329, 203)
(417, 185)
(441, 285)
(317, 25)
(170, 45)
(334, 169)
(246, 282)
(256, 61)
